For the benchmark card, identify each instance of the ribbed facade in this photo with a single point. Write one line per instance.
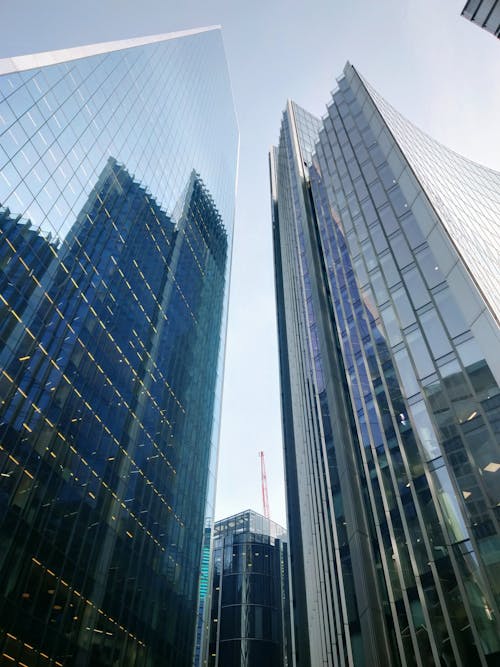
(389, 346)
(484, 13)
(117, 203)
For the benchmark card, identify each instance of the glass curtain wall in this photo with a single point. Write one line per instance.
(250, 614)
(118, 166)
(405, 329)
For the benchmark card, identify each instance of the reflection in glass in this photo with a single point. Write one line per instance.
(250, 615)
(390, 409)
(113, 297)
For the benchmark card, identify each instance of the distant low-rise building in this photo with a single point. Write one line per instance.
(250, 613)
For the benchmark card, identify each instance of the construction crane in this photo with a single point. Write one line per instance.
(265, 499)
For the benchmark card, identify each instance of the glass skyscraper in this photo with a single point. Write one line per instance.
(484, 13)
(250, 609)
(117, 184)
(386, 264)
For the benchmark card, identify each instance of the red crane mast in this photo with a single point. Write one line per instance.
(265, 498)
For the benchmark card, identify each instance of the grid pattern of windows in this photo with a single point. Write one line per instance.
(465, 195)
(113, 305)
(423, 403)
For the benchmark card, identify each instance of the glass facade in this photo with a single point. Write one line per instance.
(484, 13)
(389, 348)
(250, 612)
(117, 181)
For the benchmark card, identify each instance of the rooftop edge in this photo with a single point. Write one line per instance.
(46, 58)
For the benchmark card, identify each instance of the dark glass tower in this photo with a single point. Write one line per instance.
(484, 13)
(250, 615)
(388, 315)
(112, 338)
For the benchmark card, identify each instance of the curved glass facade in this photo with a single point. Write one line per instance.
(118, 167)
(250, 615)
(408, 343)
(465, 195)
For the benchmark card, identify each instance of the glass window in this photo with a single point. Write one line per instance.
(449, 311)
(425, 430)
(369, 255)
(375, 152)
(369, 172)
(402, 253)
(379, 288)
(360, 225)
(449, 505)
(429, 267)
(419, 294)
(408, 378)
(469, 352)
(387, 177)
(378, 238)
(369, 212)
(361, 274)
(435, 333)
(355, 173)
(362, 155)
(420, 354)
(412, 230)
(398, 201)
(405, 312)
(389, 220)
(390, 270)
(391, 325)
(378, 194)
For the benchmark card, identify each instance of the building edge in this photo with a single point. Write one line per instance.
(45, 58)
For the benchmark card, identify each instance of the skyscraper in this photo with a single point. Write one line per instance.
(484, 13)
(250, 615)
(386, 262)
(118, 167)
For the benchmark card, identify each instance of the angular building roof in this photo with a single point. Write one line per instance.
(31, 61)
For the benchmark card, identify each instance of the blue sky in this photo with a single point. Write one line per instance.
(435, 67)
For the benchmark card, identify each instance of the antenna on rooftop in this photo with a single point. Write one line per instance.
(265, 499)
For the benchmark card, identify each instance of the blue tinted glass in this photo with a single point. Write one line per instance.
(117, 206)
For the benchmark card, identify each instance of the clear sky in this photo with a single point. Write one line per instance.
(439, 70)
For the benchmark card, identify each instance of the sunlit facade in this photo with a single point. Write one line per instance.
(117, 183)
(387, 296)
(249, 623)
